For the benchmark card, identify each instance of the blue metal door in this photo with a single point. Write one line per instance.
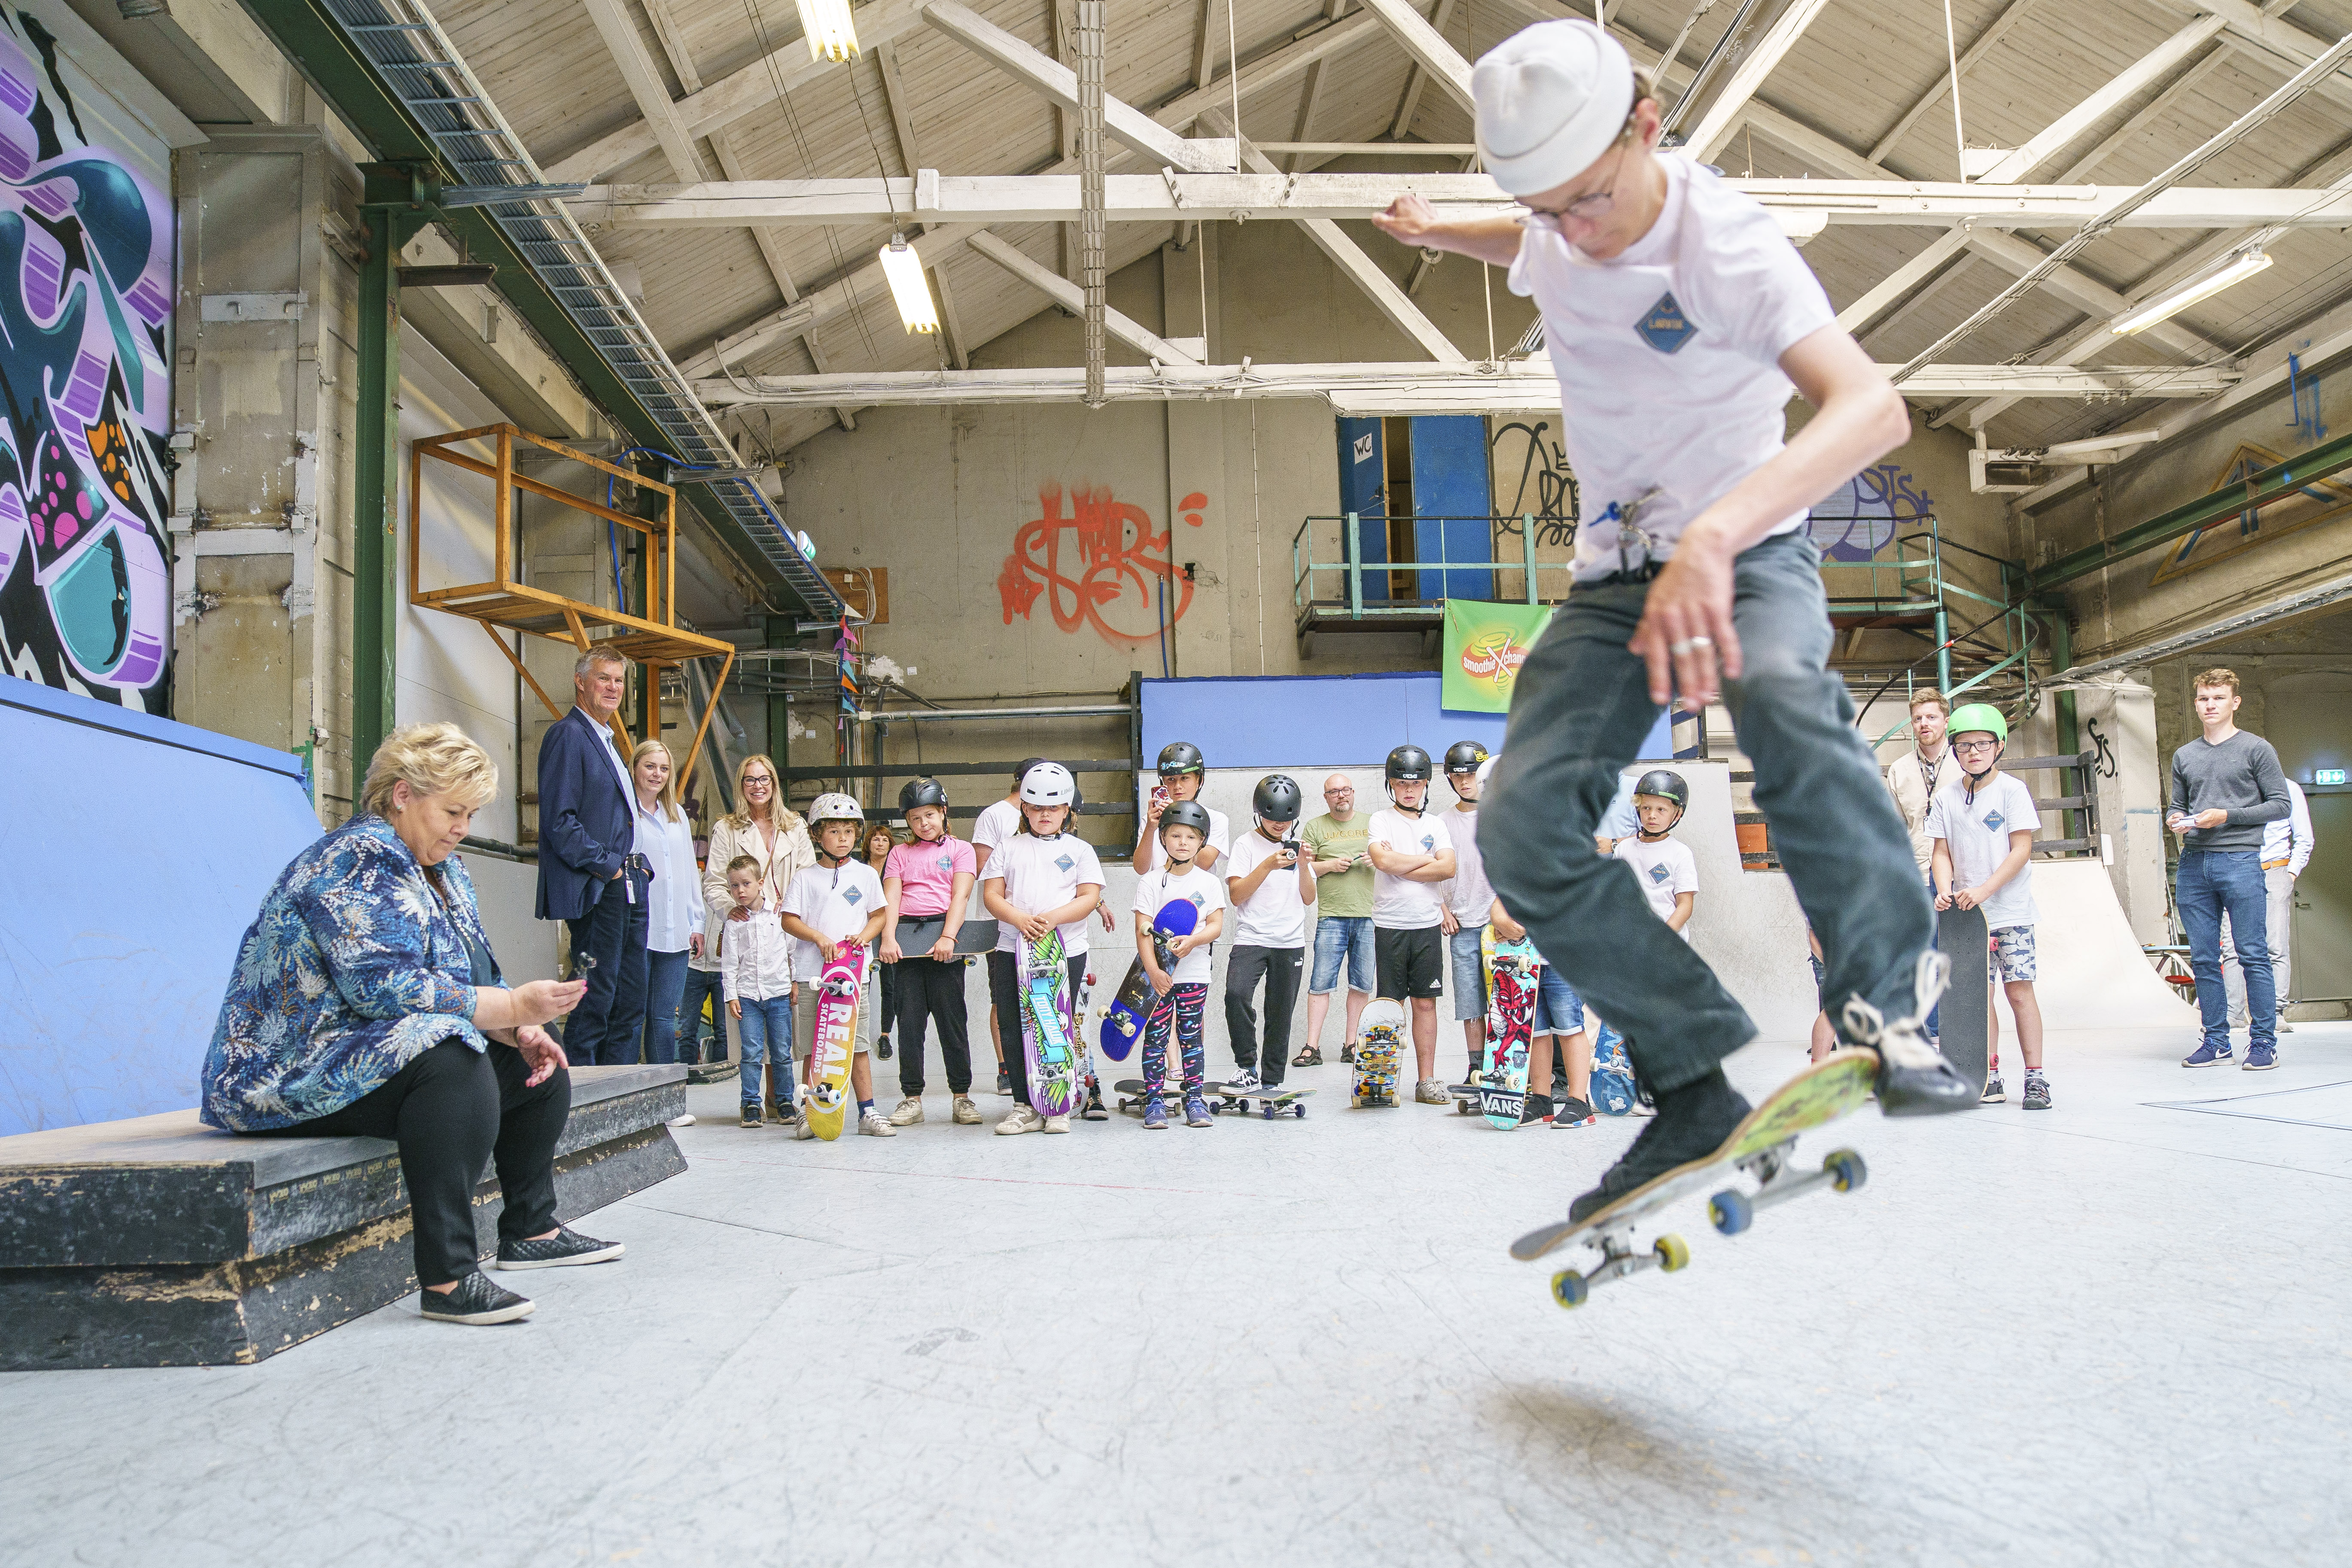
(1451, 496)
(1363, 490)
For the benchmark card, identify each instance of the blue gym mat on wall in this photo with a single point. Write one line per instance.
(1318, 721)
(138, 850)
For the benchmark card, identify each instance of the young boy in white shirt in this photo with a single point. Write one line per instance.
(1270, 883)
(1412, 855)
(755, 979)
(1679, 320)
(1043, 875)
(1983, 860)
(1468, 898)
(1663, 864)
(835, 904)
(1184, 830)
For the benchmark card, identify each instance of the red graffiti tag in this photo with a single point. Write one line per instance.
(1121, 566)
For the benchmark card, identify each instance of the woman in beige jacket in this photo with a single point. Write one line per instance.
(765, 828)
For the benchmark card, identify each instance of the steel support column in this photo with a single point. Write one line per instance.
(392, 211)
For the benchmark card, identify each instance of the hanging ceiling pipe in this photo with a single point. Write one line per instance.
(1715, 57)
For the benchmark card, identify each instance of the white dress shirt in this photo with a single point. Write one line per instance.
(628, 786)
(674, 908)
(2289, 839)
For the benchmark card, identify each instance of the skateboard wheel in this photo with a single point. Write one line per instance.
(1569, 1288)
(1672, 1254)
(1730, 1212)
(1846, 1170)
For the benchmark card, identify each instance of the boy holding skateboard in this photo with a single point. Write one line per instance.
(1982, 831)
(1270, 884)
(755, 978)
(1182, 770)
(1662, 864)
(1467, 897)
(1679, 319)
(1183, 832)
(832, 906)
(926, 885)
(1042, 878)
(1412, 857)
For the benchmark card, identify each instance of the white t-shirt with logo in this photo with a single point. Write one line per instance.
(1399, 903)
(1469, 895)
(1666, 868)
(1043, 874)
(1221, 838)
(1978, 828)
(997, 822)
(1206, 892)
(1273, 916)
(1667, 358)
(837, 902)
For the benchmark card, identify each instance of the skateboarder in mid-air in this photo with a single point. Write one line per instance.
(1680, 319)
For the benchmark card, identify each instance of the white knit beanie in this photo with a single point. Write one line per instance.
(1550, 99)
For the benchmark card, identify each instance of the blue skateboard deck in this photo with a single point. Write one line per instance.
(1614, 1092)
(1131, 1006)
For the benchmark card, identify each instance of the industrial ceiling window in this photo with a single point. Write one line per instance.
(1420, 491)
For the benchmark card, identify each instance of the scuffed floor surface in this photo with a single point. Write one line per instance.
(2110, 1334)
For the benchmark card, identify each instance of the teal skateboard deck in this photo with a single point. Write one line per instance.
(1614, 1092)
(1514, 970)
(1046, 1026)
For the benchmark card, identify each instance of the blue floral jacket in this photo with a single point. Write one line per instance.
(351, 970)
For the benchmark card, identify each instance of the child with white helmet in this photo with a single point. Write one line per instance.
(1043, 875)
(832, 905)
(1679, 320)
(1982, 832)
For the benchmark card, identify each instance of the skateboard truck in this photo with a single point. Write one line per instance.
(1732, 1211)
(1618, 1258)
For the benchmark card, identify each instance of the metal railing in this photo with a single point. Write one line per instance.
(1346, 575)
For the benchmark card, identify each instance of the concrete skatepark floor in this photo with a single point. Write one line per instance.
(2109, 1332)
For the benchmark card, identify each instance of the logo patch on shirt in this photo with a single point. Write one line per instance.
(1665, 328)
(1429, 844)
(850, 895)
(1659, 874)
(1198, 902)
(1064, 863)
(1993, 820)
(947, 862)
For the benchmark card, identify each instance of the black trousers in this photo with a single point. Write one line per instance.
(450, 1110)
(932, 989)
(1004, 992)
(1279, 966)
(607, 1029)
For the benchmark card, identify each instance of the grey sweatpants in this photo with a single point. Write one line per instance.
(1582, 711)
(2278, 887)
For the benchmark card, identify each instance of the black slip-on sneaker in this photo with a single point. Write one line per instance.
(563, 1250)
(478, 1299)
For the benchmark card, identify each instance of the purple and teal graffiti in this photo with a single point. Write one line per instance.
(85, 394)
(1858, 521)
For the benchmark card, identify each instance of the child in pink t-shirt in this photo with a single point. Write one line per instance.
(926, 888)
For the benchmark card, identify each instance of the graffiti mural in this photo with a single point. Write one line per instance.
(2323, 501)
(1104, 565)
(1858, 521)
(1546, 488)
(85, 394)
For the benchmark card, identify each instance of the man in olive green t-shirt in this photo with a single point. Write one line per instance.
(1336, 844)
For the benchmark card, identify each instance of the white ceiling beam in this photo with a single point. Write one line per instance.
(894, 94)
(1511, 386)
(1024, 62)
(669, 128)
(2125, 85)
(951, 322)
(2271, 33)
(1427, 45)
(1269, 194)
(1722, 116)
(2088, 295)
(1071, 298)
(1978, 46)
(1205, 45)
(1417, 78)
(1910, 278)
(2134, 129)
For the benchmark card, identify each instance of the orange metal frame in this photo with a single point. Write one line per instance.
(503, 602)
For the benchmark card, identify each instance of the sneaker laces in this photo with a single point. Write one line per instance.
(1903, 1042)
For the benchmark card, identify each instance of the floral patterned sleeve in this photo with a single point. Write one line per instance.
(371, 923)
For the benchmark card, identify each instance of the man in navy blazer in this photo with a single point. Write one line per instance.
(590, 873)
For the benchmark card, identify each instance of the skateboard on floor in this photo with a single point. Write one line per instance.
(1762, 1146)
(1379, 1045)
(1267, 1101)
(1045, 1026)
(1132, 1092)
(1131, 1005)
(834, 1041)
(1513, 968)
(1613, 1089)
(1963, 1016)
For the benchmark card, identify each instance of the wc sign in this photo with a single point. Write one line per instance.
(1364, 447)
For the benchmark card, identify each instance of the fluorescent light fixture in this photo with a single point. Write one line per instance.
(825, 23)
(2239, 267)
(903, 266)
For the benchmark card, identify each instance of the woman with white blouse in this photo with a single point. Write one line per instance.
(763, 827)
(673, 900)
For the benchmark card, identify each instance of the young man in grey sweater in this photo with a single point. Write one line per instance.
(2226, 785)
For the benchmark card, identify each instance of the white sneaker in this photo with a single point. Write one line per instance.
(681, 1120)
(909, 1111)
(1244, 1078)
(1057, 1124)
(802, 1129)
(965, 1114)
(1020, 1118)
(873, 1124)
(1433, 1091)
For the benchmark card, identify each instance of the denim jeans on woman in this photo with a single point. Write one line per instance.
(664, 986)
(2212, 881)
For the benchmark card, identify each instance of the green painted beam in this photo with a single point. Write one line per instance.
(2259, 489)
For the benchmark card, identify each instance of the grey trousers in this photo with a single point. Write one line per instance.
(2278, 887)
(1582, 711)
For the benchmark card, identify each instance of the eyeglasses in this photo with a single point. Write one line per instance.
(1589, 208)
(1976, 748)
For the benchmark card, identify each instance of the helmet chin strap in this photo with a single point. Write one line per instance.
(1977, 777)
(1413, 810)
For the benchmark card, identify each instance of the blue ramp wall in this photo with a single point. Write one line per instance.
(1318, 721)
(138, 850)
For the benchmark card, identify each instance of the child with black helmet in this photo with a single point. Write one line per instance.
(1183, 830)
(927, 884)
(1468, 899)
(1663, 864)
(1182, 770)
(1412, 857)
(1270, 883)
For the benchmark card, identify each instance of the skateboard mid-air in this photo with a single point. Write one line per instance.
(1763, 1147)
(833, 1040)
(1374, 1081)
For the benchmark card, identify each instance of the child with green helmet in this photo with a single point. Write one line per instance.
(1983, 838)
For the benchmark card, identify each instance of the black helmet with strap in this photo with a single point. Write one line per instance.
(922, 792)
(1277, 799)
(1666, 784)
(1408, 762)
(1189, 814)
(1464, 757)
(1181, 757)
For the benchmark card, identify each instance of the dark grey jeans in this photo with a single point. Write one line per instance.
(1582, 711)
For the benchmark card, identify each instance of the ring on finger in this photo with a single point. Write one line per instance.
(1700, 642)
(1680, 648)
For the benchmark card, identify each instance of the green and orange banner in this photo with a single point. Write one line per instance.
(1484, 645)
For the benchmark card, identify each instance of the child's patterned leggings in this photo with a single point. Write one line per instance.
(1184, 1006)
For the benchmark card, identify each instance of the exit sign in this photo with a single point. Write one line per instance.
(2327, 776)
